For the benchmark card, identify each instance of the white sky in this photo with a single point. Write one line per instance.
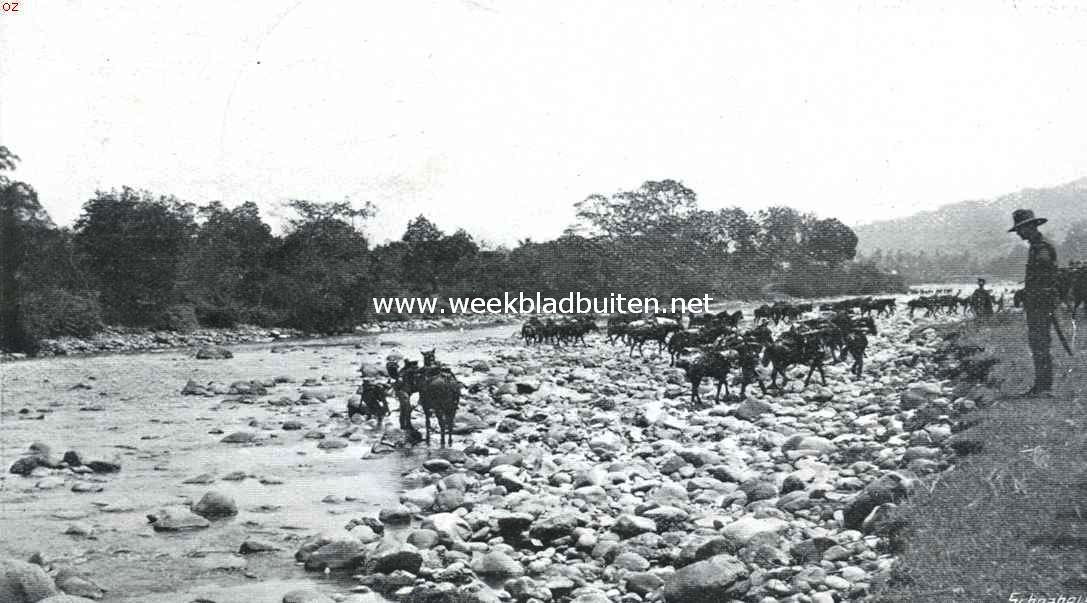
(498, 116)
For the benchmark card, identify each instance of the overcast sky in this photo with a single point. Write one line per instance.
(499, 116)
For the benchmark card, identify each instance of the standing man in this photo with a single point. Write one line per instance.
(982, 301)
(1039, 297)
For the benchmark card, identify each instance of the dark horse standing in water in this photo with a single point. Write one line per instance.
(439, 394)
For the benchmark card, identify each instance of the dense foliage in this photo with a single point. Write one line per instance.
(138, 259)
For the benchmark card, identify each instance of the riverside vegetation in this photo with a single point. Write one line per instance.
(145, 260)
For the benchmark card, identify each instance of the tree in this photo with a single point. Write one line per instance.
(321, 267)
(421, 230)
(831, 241)
(423, 239)
(132, 242)
(314, 212)
(223, 273)
(779, 237)
(434, 260)
(654, 205)
(16, 201)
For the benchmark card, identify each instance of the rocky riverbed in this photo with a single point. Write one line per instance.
(578, 474)
(128, 340)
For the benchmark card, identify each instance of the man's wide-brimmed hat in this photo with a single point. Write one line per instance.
(1023, 217)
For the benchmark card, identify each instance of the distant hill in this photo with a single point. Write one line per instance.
(977, 226)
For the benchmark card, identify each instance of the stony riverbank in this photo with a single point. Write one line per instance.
(128, 340)
(598, 483)
(580, 474)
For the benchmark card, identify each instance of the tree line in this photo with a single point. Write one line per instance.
(139, 259)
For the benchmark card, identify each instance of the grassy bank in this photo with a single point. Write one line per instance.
(1012, 517)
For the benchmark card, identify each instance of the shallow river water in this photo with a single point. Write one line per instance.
(133, 412)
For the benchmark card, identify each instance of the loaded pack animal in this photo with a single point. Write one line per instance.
(682, 341)
(918, 303)
(732, 320)
(1017, 298)
(791, 312)
(763, 312)
(618, 325)
(574, 330)
(844, 335)
(1072, 284)
(737, 352)
(748, 348)
(558, 332)
(699, 320)
(657, 329)
(724, 317)
(531, 331)
(439, 394)
(933, 305)
(856, 342)
(373, 402)
(715, 364)
(882, 306)
(795, 346)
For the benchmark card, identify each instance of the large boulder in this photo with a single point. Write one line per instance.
(809, 442)
(392, 555)
(239, 437)
(22, 582)
(71, 583)
(26, 464)
(744, 529)
(449, 527)
(628, 526)
(553, 527)
(706, 581)
(497, 564)
(890, 488)
(176, 519)
(423, 498)
(215, 504)
(305, 595)
(331, 550)
(213, 352)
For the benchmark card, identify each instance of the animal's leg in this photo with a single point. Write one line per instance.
(808, 378)
(822, 374)
(405, 411)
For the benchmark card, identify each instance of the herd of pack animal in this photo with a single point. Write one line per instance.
(1071, 289)
(711, 346)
